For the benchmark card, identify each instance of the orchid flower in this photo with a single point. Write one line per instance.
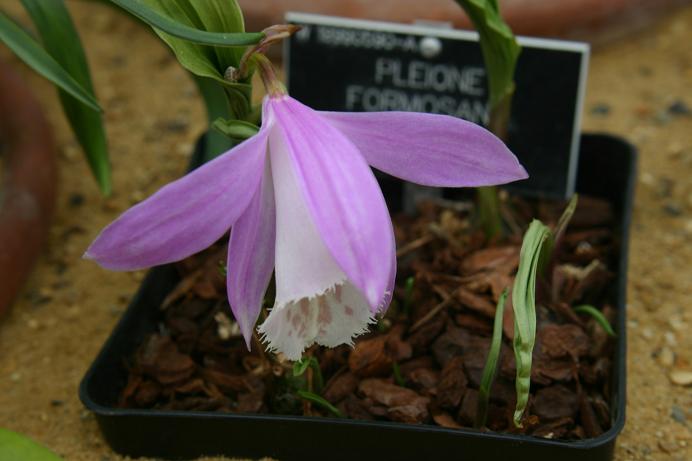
(301, 201)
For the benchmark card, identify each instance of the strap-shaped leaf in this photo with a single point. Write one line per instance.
(62, 42)
(499, 46)
(29, 51)
(17, 447)
(207, 62)
(524, 305)
(220, 16)
(184, 31)
(597, 315)
(321, 401)
(200, 60)
(566, 217)
(536, 253)
(491, 363)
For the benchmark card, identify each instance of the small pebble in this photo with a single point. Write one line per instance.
(184, 149)
(675, 150)
(647, 333)
(648, 179)
(39, 297)
(601, 108)
(672, 208)
(15, 377)
(645, 71)
(662, 117)
(679, 108)
(176, 125)
(665, 187)
(676, 323)
(72, 312)
(118, 61)
(115, 310)
(681, 377)
(70, 152)
(137, 196)
(110, 205)
(225, 327)
(666, 446)
(76, 200)
(666, 357)
(670, 339)
(678, 414)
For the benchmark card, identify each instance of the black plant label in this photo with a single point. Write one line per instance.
(354, 65)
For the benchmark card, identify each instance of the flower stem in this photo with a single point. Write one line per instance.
(254, 58)
(489, 211)
(266, 71)
(488, 201)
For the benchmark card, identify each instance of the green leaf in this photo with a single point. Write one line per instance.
(566, 217)
(29, 51)
(524, 305)
(499, 46)
(556, 234)
(236, 129)
(62, 42)
(536, 250)
(597, 315)
(150, 11)
(200, 60)
(300, 366)
(224, 19)
(17, 447)
(491, 363)
(396, 372)
(216, 103)
(222, 16)
(314, 398)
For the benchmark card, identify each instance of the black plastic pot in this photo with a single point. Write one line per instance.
(606, 169)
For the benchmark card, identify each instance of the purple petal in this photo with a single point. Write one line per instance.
(429, 149)
(341, 194)
(187, 215)
(251, 256)
(305, 268)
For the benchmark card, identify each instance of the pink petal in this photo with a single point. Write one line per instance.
(251, 256)
(304, 266)
(315, 303)
(341, 194)
(187, 215)
(429, 149)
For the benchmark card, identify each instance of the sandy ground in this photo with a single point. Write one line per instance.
(153, 116)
